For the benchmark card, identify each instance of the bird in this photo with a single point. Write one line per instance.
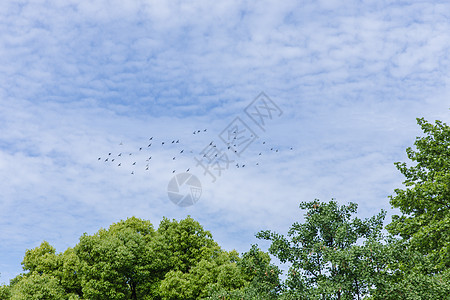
(178, 141)
(259, 153)
(162, 143)
(257, 164)
(130, 153)
(119, 164)
(173, 158)
(120, 144)
(150, 139)
(140, 149)
(204, 130)
(109, 153)
(99, 158)
(146, 168)
(106, 159)
(181, 151)
(120, 154)
(187, 170)
(134, 163)
(132, 172)
(173, 142)
(112, 159)
(264, 142)
(173, 171)
(243, 165)
(291, 148)
(149, 145)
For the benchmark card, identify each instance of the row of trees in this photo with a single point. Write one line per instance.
(332, 254)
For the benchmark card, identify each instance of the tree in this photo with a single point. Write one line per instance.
(114, 262)
(425, 200)
(326, 261)
(38, 286)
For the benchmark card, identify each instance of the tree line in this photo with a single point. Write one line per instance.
(331, 254)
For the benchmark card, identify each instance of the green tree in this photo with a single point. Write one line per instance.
(37, 287)
(114, 263)
(325, 259)
(425, 200)
(43, 260)
(5, 292)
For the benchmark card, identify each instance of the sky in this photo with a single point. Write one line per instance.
(82, 79)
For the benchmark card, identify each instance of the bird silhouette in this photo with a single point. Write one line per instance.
(99, 158)
(134, 163)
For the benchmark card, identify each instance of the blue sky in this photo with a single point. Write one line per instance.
(77, 79)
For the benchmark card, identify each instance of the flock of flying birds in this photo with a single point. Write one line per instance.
(143, 157)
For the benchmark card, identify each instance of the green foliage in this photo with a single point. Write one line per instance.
(326, 261)
(425, 200)
(5, 292)
(114, 262)
(38, 286)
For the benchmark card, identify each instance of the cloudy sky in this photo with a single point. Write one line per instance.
(82, 79)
